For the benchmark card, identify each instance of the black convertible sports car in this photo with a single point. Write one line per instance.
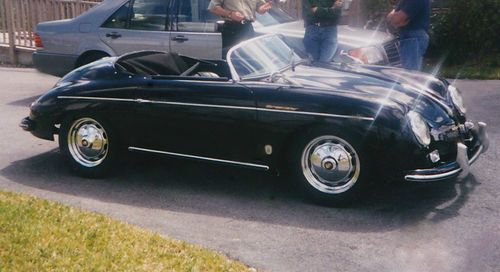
(332, 128)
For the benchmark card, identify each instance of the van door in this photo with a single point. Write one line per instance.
(137, 25)
(194, 30)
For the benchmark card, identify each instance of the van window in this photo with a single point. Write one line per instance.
(193, 16)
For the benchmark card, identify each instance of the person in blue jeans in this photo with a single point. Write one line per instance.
(412, 17)
(321, 18)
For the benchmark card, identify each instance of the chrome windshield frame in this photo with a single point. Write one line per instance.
(236, 77)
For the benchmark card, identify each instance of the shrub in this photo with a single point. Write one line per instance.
(467, 32)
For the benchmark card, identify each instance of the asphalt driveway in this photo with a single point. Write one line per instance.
(254, 217)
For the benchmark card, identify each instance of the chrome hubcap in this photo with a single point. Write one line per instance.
(330, 164)
(88, 142)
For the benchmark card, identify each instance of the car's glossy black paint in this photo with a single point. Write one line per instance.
(229, 120)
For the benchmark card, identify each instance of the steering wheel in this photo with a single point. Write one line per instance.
(190, 69)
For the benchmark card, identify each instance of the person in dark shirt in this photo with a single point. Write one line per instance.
(412, 18)
(321, 18)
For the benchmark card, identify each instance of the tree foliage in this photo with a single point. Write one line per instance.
(469, 31)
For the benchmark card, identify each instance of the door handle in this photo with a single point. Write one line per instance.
(113, 35)
(180, 38)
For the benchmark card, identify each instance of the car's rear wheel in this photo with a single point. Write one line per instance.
(89, 145)
(329, 168)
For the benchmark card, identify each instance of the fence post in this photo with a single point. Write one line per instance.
(12, 32)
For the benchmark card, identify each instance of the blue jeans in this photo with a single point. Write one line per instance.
(321, 42)
(413, 44)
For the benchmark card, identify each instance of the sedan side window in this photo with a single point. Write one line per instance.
(144, 15)
(119, 19)
(149, 15)
(193, 16)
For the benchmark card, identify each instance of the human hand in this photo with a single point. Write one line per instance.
(265, 7)
(236, 16)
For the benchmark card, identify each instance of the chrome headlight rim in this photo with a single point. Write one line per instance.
(457, 99)
(419, 127)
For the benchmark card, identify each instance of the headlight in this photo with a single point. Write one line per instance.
(419, 128)
(368, 55)
(457, 99)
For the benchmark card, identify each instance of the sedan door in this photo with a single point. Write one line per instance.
(138, 25)
(194, 30)
(212, 120)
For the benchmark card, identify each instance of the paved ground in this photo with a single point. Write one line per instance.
(252, 217)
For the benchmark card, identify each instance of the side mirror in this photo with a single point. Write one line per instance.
(218, 26)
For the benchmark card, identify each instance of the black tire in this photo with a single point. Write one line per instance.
(89, 145)
(91, 57)
(330, 168)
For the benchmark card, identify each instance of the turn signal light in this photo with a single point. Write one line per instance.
(38, 40)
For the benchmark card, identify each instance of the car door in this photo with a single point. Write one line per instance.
(194, 30)
(214, 120)
(138, 25)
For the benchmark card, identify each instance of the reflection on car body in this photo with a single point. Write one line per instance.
(329, 128)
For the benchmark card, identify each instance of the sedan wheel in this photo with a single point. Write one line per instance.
(87, 145)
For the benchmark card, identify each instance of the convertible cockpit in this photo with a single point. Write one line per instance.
(172, 65)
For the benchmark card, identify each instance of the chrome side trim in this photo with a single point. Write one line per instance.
(131, 148)
(97, 98)
(201, 105)
(319, 114)
(219, 107)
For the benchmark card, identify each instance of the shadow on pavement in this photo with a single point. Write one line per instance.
(242, 194)
(26, 102)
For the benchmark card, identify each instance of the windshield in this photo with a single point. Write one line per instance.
(273, 17)
(262, 56)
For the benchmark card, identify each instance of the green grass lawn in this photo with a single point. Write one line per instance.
(39, 235)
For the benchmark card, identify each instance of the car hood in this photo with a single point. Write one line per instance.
(388, 86)
(348, 36)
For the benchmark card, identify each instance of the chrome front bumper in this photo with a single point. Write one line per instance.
(458, 168)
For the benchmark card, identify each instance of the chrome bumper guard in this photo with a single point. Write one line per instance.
(458, 168)
(27, 124)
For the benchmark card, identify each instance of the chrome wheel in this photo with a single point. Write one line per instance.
(330, 164)
(87, 142)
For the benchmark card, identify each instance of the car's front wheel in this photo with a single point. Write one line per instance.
(89, 145)
(330, 169)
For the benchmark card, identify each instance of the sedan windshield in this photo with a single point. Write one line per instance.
(262, 56)
(274, 16)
